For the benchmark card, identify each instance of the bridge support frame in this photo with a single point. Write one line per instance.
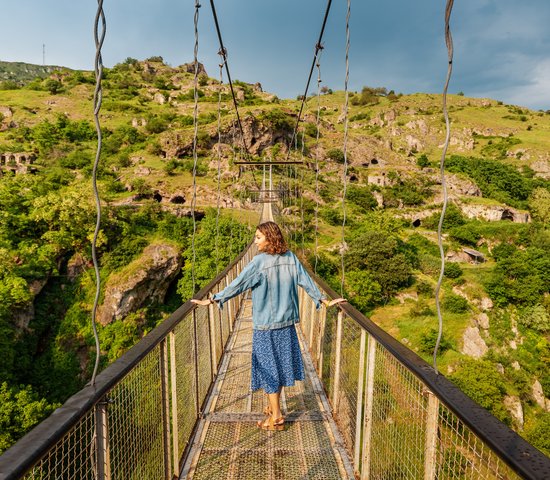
(430, 449)
(338, 355)
(103, 460)
(165, 387)
(369, 404)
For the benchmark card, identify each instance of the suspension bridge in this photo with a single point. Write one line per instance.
(178, 404)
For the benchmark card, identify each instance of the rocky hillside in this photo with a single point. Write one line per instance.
(22, 73)
(496, 236)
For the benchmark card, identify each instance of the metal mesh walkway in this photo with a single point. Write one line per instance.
(229, 445)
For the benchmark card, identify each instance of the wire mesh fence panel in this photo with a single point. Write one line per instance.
(216, 325)
(398, 440)
(328, 351)
(72, 457)
(184, 365)
(135, 422)
(204, 366)
(224, 321)
(461, 454)
(345, 407)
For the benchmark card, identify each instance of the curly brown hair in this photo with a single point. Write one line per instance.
(276, 244)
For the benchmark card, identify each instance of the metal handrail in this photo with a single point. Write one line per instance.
(517, 453)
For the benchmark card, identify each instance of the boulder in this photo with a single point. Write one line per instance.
(473, 345)
(513, 405)
(6, 112)
(142, 282)
(538, 396)
(482, 320)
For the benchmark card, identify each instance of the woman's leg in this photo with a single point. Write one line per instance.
(275, 404)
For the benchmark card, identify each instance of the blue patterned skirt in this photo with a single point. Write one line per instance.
(276, 359)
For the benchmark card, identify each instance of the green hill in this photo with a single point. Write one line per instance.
(22, 73)
(496, 313)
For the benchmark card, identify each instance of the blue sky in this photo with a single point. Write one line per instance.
(502, 47)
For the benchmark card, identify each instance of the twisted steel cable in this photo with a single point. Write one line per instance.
(318, 48)
(99, 37)
(345, 150)
(222, 57)
(317, 123)
(195, 134)
(449, 44)
(224, 53)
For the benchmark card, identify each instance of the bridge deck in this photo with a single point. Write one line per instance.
(228, 444)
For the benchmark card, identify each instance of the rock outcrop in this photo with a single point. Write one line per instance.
(538, 396)
(143, 282)
(493, 213)
(473, 344)
(513, 405)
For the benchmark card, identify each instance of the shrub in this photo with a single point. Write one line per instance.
(453, 218)
(428, 340)
(537, 318)
(480, 380)
(424, 288)
(8, 85)
(452, 270)
(422, 161)
(156, 125)
(310, 129)
(336, 155)
(539, 435)
(155, 59)
(362, 197)
(455, 303)
(53, 86)
(331, 215)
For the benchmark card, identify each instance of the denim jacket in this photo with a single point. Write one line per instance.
(274, 281)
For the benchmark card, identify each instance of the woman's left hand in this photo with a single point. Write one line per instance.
(336, 301)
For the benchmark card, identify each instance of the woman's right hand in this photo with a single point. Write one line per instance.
(204, 303)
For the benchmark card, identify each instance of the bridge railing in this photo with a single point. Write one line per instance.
(397, 417)
(138, 418)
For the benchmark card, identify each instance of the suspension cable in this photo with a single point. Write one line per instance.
(345, 150)
(302, 169)
(195, 135)
(99, 37)
(317, 123)
(318, 48)
(222, 58)
(223, 51)
(449, 43)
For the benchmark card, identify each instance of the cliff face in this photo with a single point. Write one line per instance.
(142, 282)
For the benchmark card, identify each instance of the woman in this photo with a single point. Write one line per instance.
(273, 276)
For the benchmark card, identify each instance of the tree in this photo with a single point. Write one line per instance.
(362, 289)
(381, 255)
(53, 86)
(539, 204)
(20, 410)
(480, 380)
(211, 254)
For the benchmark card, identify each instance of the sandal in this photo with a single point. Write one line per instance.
(272, 425)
